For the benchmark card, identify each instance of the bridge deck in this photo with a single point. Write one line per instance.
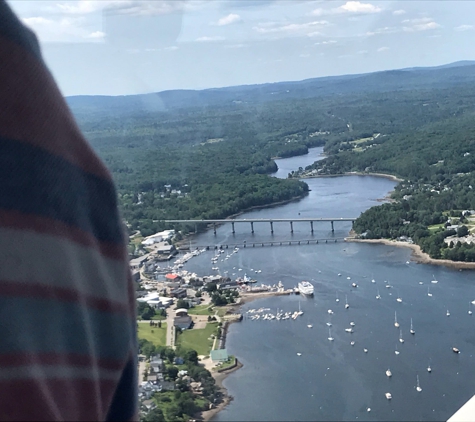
(264, 220)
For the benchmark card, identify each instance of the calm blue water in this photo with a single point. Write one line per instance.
(334, 380)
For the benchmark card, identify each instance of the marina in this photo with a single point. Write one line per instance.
(339, 375)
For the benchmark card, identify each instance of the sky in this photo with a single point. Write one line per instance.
(133, 47)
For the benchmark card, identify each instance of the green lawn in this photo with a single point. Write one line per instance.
(435, 227)
(200, 310)
(157, 337)
(198, 339)
(230, 362)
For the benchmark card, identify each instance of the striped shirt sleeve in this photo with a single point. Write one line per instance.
(68, 342)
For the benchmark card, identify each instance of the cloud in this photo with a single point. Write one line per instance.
(326, 42)
(171, 48)
(352, 7)
(304, 56)
(210, 39)
(381, 49)
(97, 34)
(422, 27)
(399, 12)
(463, 28)
(385, 30)
(268, 28)
(314, 34)
(70, 29)
(125, 7)
(235, 46)
(362, 52)
(417, 20)
(229, 19)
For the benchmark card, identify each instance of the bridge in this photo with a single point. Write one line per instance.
(271, 221)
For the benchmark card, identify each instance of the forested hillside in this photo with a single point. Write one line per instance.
(207, 154)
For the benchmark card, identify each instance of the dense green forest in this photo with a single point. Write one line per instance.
(208, 154)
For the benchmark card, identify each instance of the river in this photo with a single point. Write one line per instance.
(334, 380)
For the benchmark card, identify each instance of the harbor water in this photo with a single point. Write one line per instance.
(333, 380)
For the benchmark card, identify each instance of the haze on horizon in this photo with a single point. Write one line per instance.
(132, 47)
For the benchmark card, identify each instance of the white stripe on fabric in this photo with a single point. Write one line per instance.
(33, 258)
(40, 372)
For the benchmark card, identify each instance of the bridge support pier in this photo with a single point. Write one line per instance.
(333, 230)
(233, 227)
(214, 228)
(291, 227)
(252, 227)
(271, 227)
(311, 226)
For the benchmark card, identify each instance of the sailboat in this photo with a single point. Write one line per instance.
(389, 373)
(330, 338)
(329, 323)
(388, 396)
(346, 302)
(396, 352)
(428, 292)
(396, 324)
(412, 331)
(401, 340)
(399, 299)
(300, 312)
(434, 281)
(447, 313)
(469, 308)
(429, 369)
(418, 387)
(373, 280)
(378, 296)
(337, 298)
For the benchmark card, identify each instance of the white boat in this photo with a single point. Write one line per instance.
(388, 396)
(396, 324)
(330, 311)
(389, 373)
(429, 369)
(348, 278)
(412, 331)
(352, 324)
(309, 325)
(352, 343)
(447, 313)
(299, 354)
(306, 288)
(300, 312)
(349, 330)
(378, 296)
(469, 308)
(330, 338)
(434, 281)
(455, 350)
(354, 285)
(401, 340)
(365, 350)
(346, 302)
(428, 292)
(418, 386)
(399, 299)
(396, 352)
(337, 298)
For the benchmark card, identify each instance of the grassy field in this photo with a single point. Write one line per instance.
(198, 339)
(157, 337)
(200, 310)
(230, 362)
(435, 227)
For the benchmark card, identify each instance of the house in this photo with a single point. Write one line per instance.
(181, 312)
(138, 262)
(136, 275)
(166, 385)
(227, 285)
(173, 278)
(220, 355)
(165, 249)
(147, 389)
(183, 322)
(156, 364)
(178, 361)
(178, 293)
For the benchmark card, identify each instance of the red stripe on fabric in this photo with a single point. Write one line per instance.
(32, 110)
(41, 291)
(59, 359)
(55, 399)
(21, 221)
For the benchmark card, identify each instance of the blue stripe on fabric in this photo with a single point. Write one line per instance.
(14, 30)
(124, 403)
(43, 326)
(35, 181)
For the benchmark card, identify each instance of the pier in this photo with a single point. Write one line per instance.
(271, 222)
(246, 244)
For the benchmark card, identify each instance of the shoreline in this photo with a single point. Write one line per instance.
(219, 377)
(417, 254)
(355, 173)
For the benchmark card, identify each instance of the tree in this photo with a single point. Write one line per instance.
(154, 415)
(172, 372)
(462, 231)
(182, 304)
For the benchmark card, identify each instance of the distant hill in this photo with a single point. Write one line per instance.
(445, 76)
